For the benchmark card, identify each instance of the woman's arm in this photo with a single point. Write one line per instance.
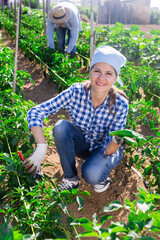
(38, 134)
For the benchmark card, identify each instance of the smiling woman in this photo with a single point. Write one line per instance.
(102, 76)
(96, 110)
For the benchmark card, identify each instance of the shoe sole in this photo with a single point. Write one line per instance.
(73, 187)
(102, 189)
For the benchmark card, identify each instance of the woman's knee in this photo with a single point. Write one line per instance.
(90, 175)
(60, 128)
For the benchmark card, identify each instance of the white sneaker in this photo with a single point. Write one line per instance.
(102, 186)
(69, 184)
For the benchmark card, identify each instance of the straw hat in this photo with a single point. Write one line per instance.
(59, 14)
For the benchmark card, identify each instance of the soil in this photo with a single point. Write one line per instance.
(125, 182)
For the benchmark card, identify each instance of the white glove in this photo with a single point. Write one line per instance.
(120, 141)
(33, 162)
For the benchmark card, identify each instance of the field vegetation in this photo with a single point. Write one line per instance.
(33, 209)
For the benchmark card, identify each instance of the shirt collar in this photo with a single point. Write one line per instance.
(89, 100)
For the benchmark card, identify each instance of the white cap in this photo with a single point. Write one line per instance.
(111, 56)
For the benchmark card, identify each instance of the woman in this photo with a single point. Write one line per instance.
(96, 109)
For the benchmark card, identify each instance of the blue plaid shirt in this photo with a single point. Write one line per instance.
(95, 124)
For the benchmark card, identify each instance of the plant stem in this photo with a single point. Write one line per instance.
(46, 65)
(22, 195)
(153, 94)
(66, 212)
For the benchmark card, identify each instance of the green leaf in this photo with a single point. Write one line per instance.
(2, 211)
(6, 157)
(119, 229)
(132, 217)
(105, 234)
(149, 223)
(143, 206)
(80, 202)
(84, 193)
(2, 178)
(154, 229)
(17, 235)
(134, 28)
(146, 238)
(84, 222)
(28, 237)
(81, 221)
(6, 232)
(156, 217)
(133, 234)
(113, 206)
(158, 133)
(134, 87)
(104, 218)
(14, 141)
(127, 238)
(24, 148)
(95, 218)
(31, 139)
(158, 165)
(87, 234)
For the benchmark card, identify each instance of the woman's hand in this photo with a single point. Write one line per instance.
(33, 162)
(111, 148)
(114, 145)
(117, 140)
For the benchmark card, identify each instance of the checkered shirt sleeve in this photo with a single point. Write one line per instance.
(95, 124)
(36, 115)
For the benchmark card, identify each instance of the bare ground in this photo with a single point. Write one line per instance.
(125, 182)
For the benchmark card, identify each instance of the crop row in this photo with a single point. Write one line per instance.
(131, 42)
(140, 71)
(138, 80)
(34, 206)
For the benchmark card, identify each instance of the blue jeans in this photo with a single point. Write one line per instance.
(5, 4)
(71, 143)
(61, 35)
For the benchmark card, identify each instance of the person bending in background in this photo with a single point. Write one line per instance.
(64, 18)
(5, 3)
(96, 109)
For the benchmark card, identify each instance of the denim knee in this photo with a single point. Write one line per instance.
(90, 175)
(97, 167)
(60, 128)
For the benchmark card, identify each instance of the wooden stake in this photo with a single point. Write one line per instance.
(15, 14)
(2, 5)
(37, 4)
(92, 30)
(97, 19)
(48, 3)
(16, 50)
(29, 4)
(20, 13)
(30, 9)
(44, 17)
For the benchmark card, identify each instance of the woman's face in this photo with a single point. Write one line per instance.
(102, 76)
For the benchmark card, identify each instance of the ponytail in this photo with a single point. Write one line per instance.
(112, 95)
(112, 98)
